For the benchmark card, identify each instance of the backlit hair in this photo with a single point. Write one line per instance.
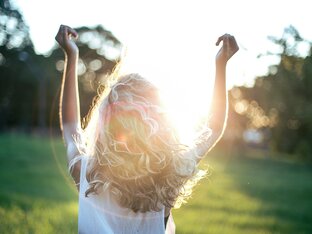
(134, 151)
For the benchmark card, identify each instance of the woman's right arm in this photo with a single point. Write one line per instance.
(69, 106)
(219, 104)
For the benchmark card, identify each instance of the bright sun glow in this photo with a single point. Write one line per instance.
(186, 94)
(185, 116)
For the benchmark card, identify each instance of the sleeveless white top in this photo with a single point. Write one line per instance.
(102, 214)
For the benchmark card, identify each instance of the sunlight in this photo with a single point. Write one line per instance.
(186, 110)
(185, 91)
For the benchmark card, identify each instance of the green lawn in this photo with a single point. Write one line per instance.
(243, 194)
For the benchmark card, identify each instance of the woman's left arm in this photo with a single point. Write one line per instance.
(69, 107)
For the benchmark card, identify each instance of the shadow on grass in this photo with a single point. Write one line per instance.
(284, 190)
(248, 194)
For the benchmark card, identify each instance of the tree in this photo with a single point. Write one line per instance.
(14, 32)
(29, 82)
(16, 82)
(281, 100)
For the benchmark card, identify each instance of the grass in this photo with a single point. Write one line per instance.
(242, 195)
(36, 193)
(250, 195)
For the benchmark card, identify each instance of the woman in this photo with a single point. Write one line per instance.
(128, 164)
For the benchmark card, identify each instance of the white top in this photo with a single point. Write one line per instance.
(102, 214)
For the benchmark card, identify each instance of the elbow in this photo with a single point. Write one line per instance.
(217, 136)
(218, 128)
(218, 132)
(218, 124)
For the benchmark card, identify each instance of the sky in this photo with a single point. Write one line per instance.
(176, 31)
(173, 41)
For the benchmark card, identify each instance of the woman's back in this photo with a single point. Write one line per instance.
(101, 213)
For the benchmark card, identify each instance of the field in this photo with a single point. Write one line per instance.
(242, 194)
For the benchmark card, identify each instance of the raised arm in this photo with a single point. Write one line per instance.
(69, 107)
(219, 105)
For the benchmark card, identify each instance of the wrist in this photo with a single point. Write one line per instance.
(73, 55)
(221, 63)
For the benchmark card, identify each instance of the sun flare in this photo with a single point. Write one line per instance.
(186, 113)
(184, 90)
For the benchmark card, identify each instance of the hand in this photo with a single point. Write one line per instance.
(64, 38)
(228, 49)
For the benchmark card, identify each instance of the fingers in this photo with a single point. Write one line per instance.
(225, 38)
(219, 40)
(64, 33)
(71, 32)
(228, 49)
(229, 41)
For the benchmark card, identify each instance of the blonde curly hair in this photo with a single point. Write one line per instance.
(134, 151)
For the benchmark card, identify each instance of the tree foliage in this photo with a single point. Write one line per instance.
(16, 81)
(280, 102)
(29, 83)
